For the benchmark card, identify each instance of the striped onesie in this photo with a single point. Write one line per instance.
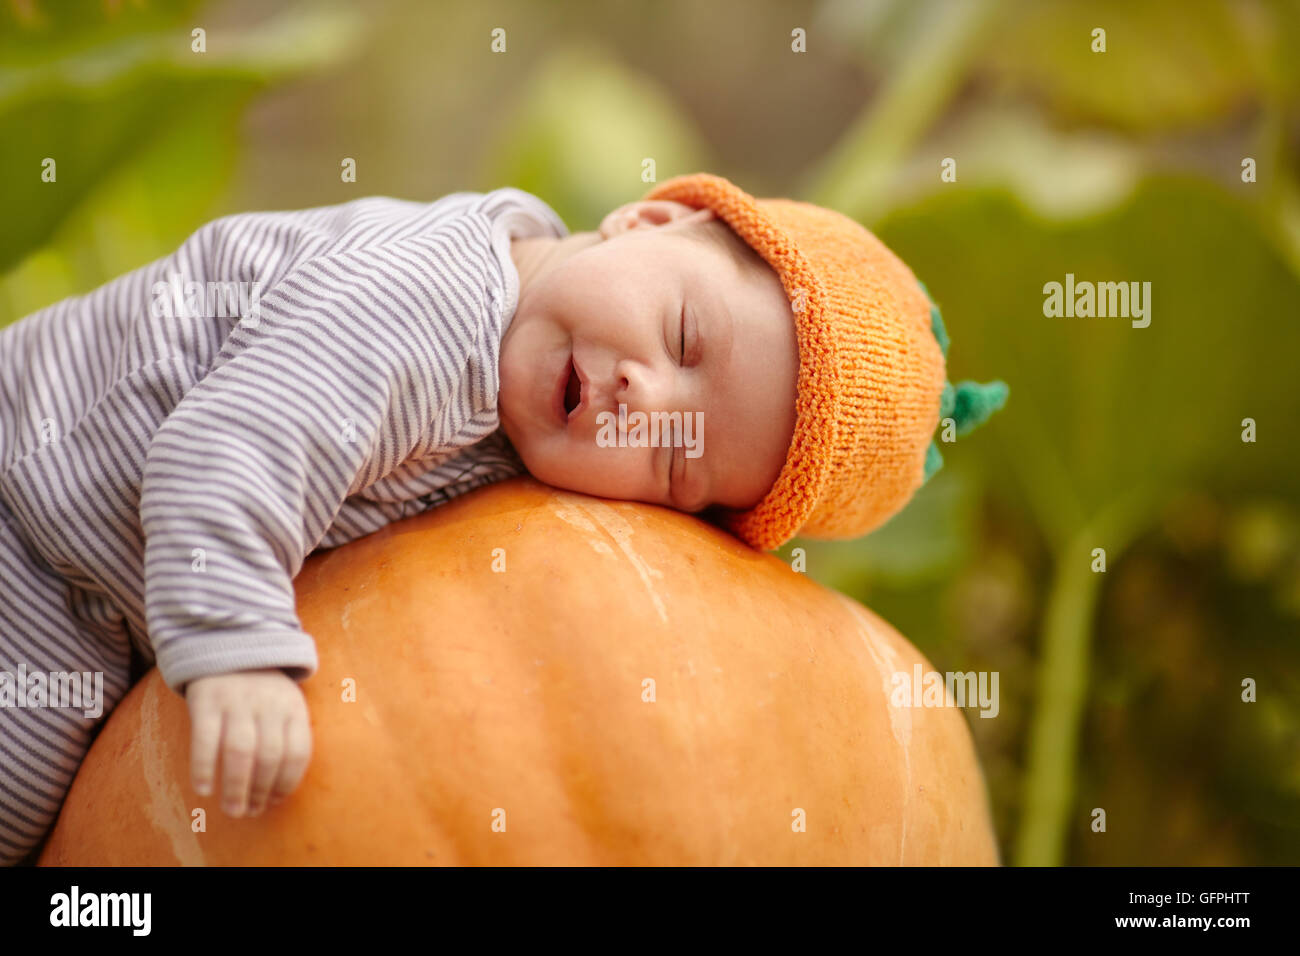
(175, 443)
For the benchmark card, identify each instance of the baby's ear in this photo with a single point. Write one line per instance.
(648, 213)
(617, 220)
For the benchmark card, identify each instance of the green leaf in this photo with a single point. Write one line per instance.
(93, 100)
(1100, 406)
(1168, 64)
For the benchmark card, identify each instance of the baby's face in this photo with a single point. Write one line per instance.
(616, 306)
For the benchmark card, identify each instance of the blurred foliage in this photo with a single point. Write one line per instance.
(1202, 778)
(1168, 65)
(1104, 424)
(584, 103)
(1119, 690)
(93, 92)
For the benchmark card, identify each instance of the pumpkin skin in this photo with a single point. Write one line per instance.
(517, 697)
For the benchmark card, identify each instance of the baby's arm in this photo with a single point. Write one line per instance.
(338, 380)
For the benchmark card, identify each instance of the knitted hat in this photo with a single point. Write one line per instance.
(871, 386)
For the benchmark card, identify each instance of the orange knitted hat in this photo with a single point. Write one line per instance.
(871, 368)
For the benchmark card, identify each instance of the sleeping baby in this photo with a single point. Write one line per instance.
(174, 444)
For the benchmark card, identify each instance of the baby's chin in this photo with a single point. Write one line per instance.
(525, 442)
(550, 468)
(517, 437)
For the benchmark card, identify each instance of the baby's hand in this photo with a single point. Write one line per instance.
(261, 716)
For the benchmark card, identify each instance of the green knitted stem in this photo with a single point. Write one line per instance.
(975, 403)
(936, 322)
(969, 404)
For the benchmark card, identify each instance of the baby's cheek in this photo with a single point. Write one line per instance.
(559, 462)
(554, 470)
(577, 466)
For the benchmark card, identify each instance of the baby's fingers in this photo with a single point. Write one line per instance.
(271, 733)
(237, 761)
(297, 754)
(205, 738)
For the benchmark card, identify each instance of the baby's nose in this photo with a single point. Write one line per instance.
(642, 390)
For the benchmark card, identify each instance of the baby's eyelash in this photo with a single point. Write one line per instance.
(672, 459)
(682, 349)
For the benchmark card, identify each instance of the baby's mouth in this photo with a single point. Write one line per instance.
(573, 390)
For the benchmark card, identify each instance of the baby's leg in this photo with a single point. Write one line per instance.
(41, 747)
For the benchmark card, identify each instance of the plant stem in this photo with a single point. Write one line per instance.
(855, 176)
(1063, 679)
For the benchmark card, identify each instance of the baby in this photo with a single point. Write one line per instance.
(174, 444)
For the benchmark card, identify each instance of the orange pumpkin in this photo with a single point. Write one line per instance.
(635, 687)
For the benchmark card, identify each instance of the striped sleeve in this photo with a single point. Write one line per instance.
(487, 461)
(354, 362)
